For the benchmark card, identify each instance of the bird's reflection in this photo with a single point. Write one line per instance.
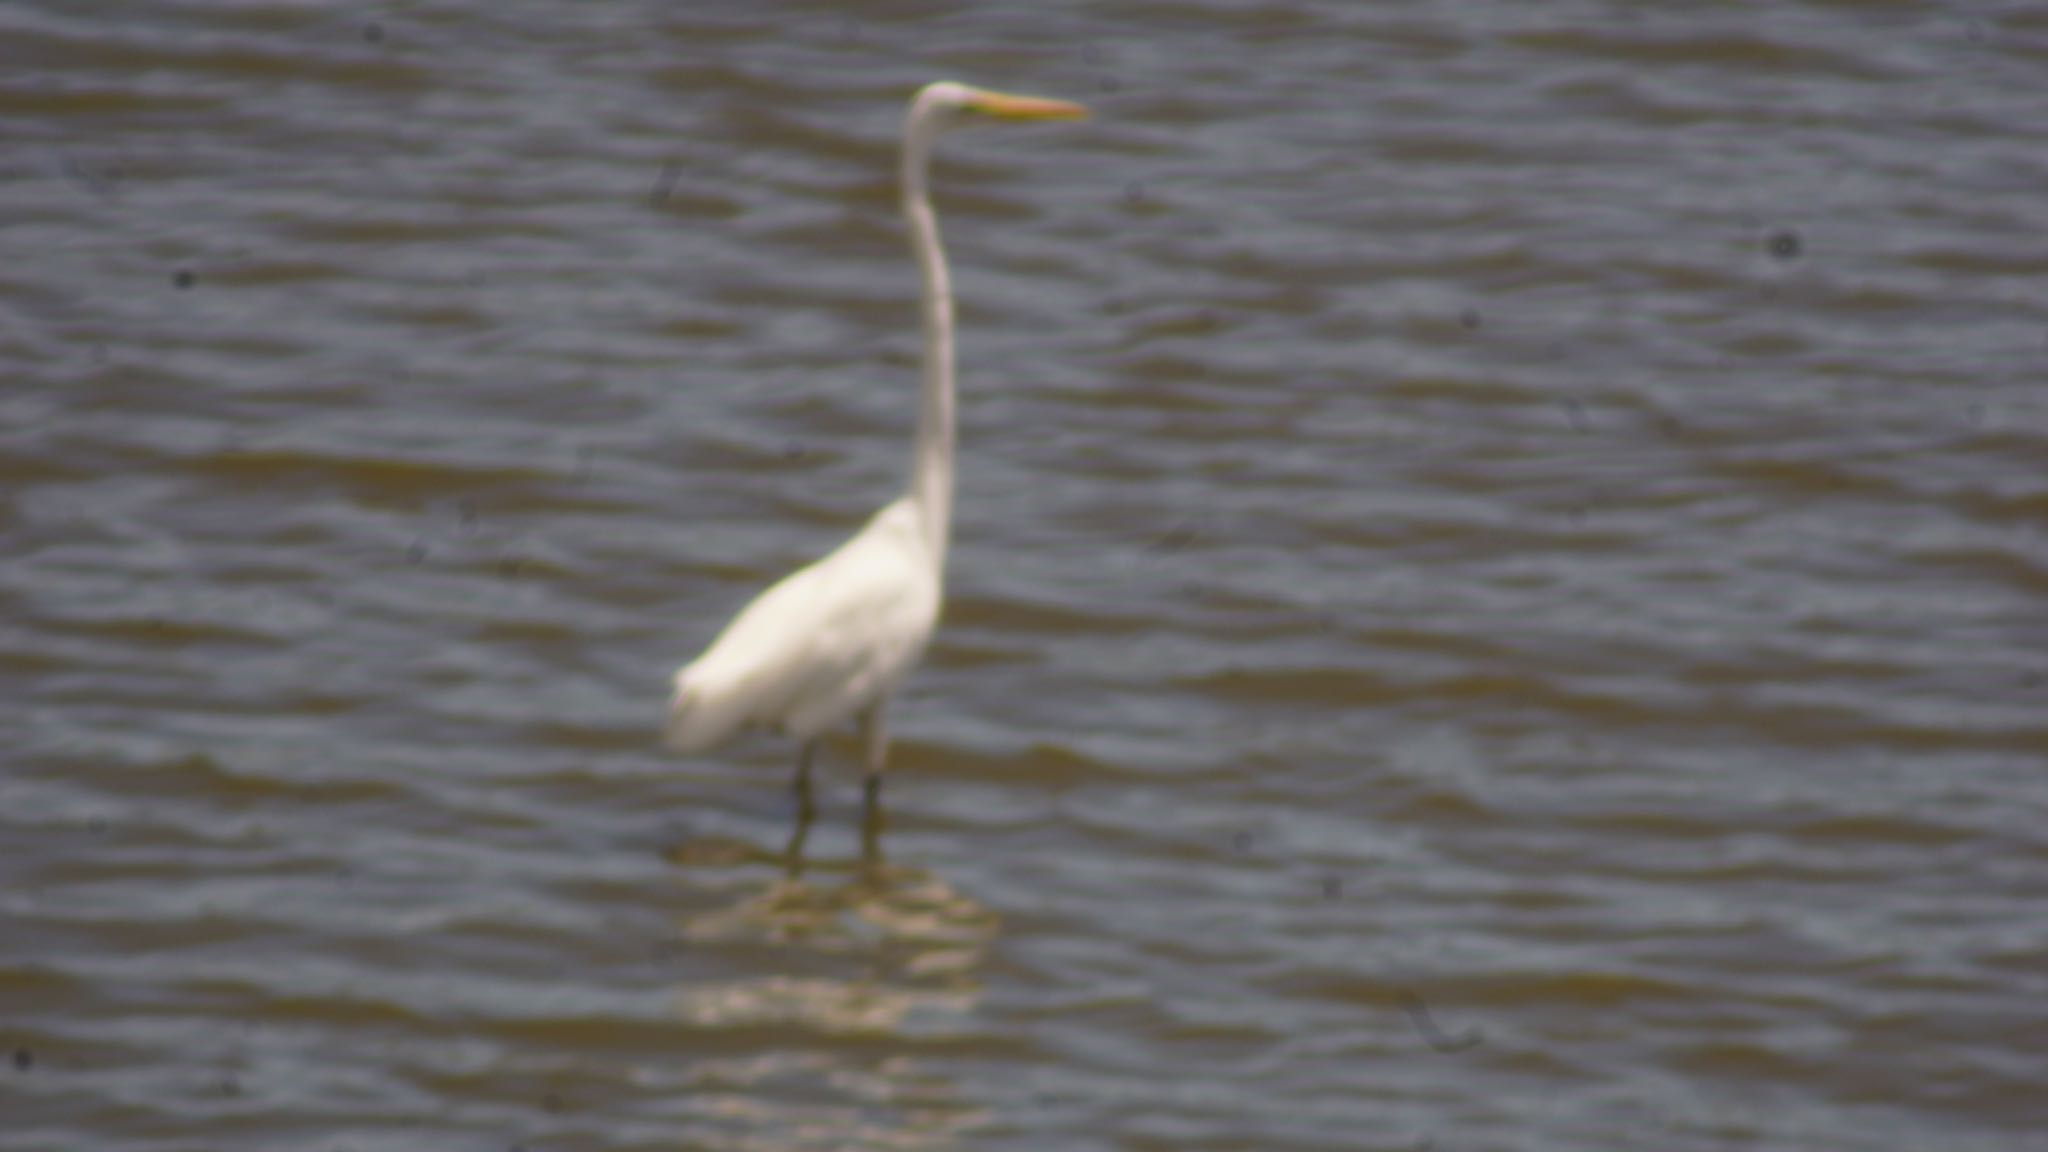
(838, 903)
(795, 954)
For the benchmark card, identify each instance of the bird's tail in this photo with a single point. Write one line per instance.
(700, 717)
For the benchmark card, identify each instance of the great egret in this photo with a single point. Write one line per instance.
(830, 642)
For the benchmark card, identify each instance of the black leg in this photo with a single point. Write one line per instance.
(874, 730)
(871, 821)
(805, 809)
(793, 852)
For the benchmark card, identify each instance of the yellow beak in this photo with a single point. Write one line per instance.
(1010, 107)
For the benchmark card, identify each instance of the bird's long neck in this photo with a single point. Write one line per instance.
(931, 483)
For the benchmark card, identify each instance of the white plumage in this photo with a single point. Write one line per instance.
(830, 642)
(821, 645)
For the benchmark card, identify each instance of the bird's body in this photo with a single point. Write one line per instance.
(831, 641)
(820, 646)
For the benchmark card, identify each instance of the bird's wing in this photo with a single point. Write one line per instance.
(819, 645)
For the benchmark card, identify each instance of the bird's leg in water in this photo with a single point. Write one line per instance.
(793, 852)
(871, 821)
(874, 726)
(805, 810)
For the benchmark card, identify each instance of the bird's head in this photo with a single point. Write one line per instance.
(953, 105)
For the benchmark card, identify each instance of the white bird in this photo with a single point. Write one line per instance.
(830, 642)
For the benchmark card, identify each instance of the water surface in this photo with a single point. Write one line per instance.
(1497, 600)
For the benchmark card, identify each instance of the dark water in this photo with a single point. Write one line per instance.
(1498, 599)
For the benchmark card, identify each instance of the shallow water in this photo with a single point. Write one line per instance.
(1497, 599)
